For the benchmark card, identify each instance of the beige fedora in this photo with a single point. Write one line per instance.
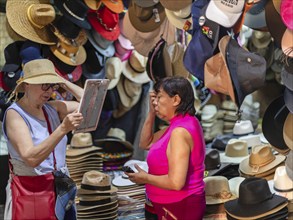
(181, 18)
(175, 5)
(288, 131)
(69, 54)
(83, 139)
(30, 19)
(260, 160)
(37, 72)
(113, 69)
(96, 182)
(134, 68)
(217, 190)
(236, 150)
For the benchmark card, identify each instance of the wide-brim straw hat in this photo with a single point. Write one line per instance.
(38, 72)
(30, 19)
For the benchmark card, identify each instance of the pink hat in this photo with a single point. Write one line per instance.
(121, 52)
(287, 13)
(125, 42)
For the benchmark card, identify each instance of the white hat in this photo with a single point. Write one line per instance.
(225, 12)
(208, 112)
(123, 180)
(243, 127)
(251, 139)
(179, 18)
(234, 184)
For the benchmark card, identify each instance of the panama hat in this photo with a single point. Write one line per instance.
(243, 127)
(255, 200)
(113, 69)
(260, 160)
(121, 52)
(288, 131)
(30, 19)
(217, 190)
(235, 151)
(181, 17)
(37, 72)
(134, 68)
(146, 19)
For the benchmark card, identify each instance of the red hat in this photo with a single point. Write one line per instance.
(105, 22)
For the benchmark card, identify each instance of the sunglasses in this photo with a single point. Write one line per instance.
(47, 86)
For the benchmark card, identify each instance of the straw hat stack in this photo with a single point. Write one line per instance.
(82, 156)
(230, 116)
(97, 197)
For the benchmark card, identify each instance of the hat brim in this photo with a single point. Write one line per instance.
(84, 209)
(170, 5)
(73, 152)
(226, 159)
(247, 169)
(255, 211)
(177, 21)
(120, 181)
(129, 73)
(108, 52)
(16, 13)
(114, 6)
(105, 142)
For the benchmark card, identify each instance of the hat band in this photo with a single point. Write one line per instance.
(103, 24)
(262, 164)
(134, 68)
(222, 195)
(99, 188)
(31, 19)
(71, 13)
(283, 190)
(96, 202)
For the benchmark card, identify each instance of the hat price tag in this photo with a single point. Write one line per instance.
(156, 15)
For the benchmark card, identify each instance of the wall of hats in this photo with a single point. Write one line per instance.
(238, 55)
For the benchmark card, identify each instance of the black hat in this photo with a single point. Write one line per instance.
(273, 123)
(67, 27)
(255, 200)
(244, 67)
(75, 11)
(212, 162)
(12, 58)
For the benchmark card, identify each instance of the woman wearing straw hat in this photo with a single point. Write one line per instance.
(33, 148)
(174, 182)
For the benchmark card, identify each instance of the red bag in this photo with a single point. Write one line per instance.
(33, 197)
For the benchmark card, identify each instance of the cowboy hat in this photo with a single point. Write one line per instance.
(30, 19)
(37, 72)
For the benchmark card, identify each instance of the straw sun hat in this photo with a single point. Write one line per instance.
(30, 19)
(37, 72)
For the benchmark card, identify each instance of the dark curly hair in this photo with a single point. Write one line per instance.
(177, 85)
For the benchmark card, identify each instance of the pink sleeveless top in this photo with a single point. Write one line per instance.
(158, 162)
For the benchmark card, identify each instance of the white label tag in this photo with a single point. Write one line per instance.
(156, 14)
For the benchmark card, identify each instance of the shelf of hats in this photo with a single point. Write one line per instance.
(238, 57)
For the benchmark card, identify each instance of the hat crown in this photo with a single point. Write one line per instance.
(81, 140)
(108, 19)
(254, 190)
(144, 14)
(67, 28)
(261, 155)
(38, 67)
(76, 8)
(41, 15)
(131, 89)
(236, 148)
(218, 187)
(212, 159)
(137, 62)
(117, 133)
(30, 51)
(184, 12)
(96, 178)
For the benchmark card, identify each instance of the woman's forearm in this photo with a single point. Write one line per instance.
(147, 131)
(74, 89)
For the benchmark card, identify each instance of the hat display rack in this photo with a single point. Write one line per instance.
(227, 49)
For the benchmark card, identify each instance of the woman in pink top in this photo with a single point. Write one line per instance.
(174, 183)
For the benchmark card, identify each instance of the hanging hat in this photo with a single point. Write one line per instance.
(255, 16)
(30, 51)
(105, 22)
(273, 123)
(134, 68)
(11, 33)
(143, 42)
(30, 19)
(175, 6)
(255, 200)
(274, 21)
(260, 160)
(217, 190)
(68, 32)
(38, 72)
(226, 13)
(235, 151)
(121, 52)
(93, 4)
(75, 11)
(113, 69)
(69, 54)
(181, 17)
(146, 19)
(244, 68)
(125, 42)
(93, 67)
(286, 13)
(101, 44)
(243, 127)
